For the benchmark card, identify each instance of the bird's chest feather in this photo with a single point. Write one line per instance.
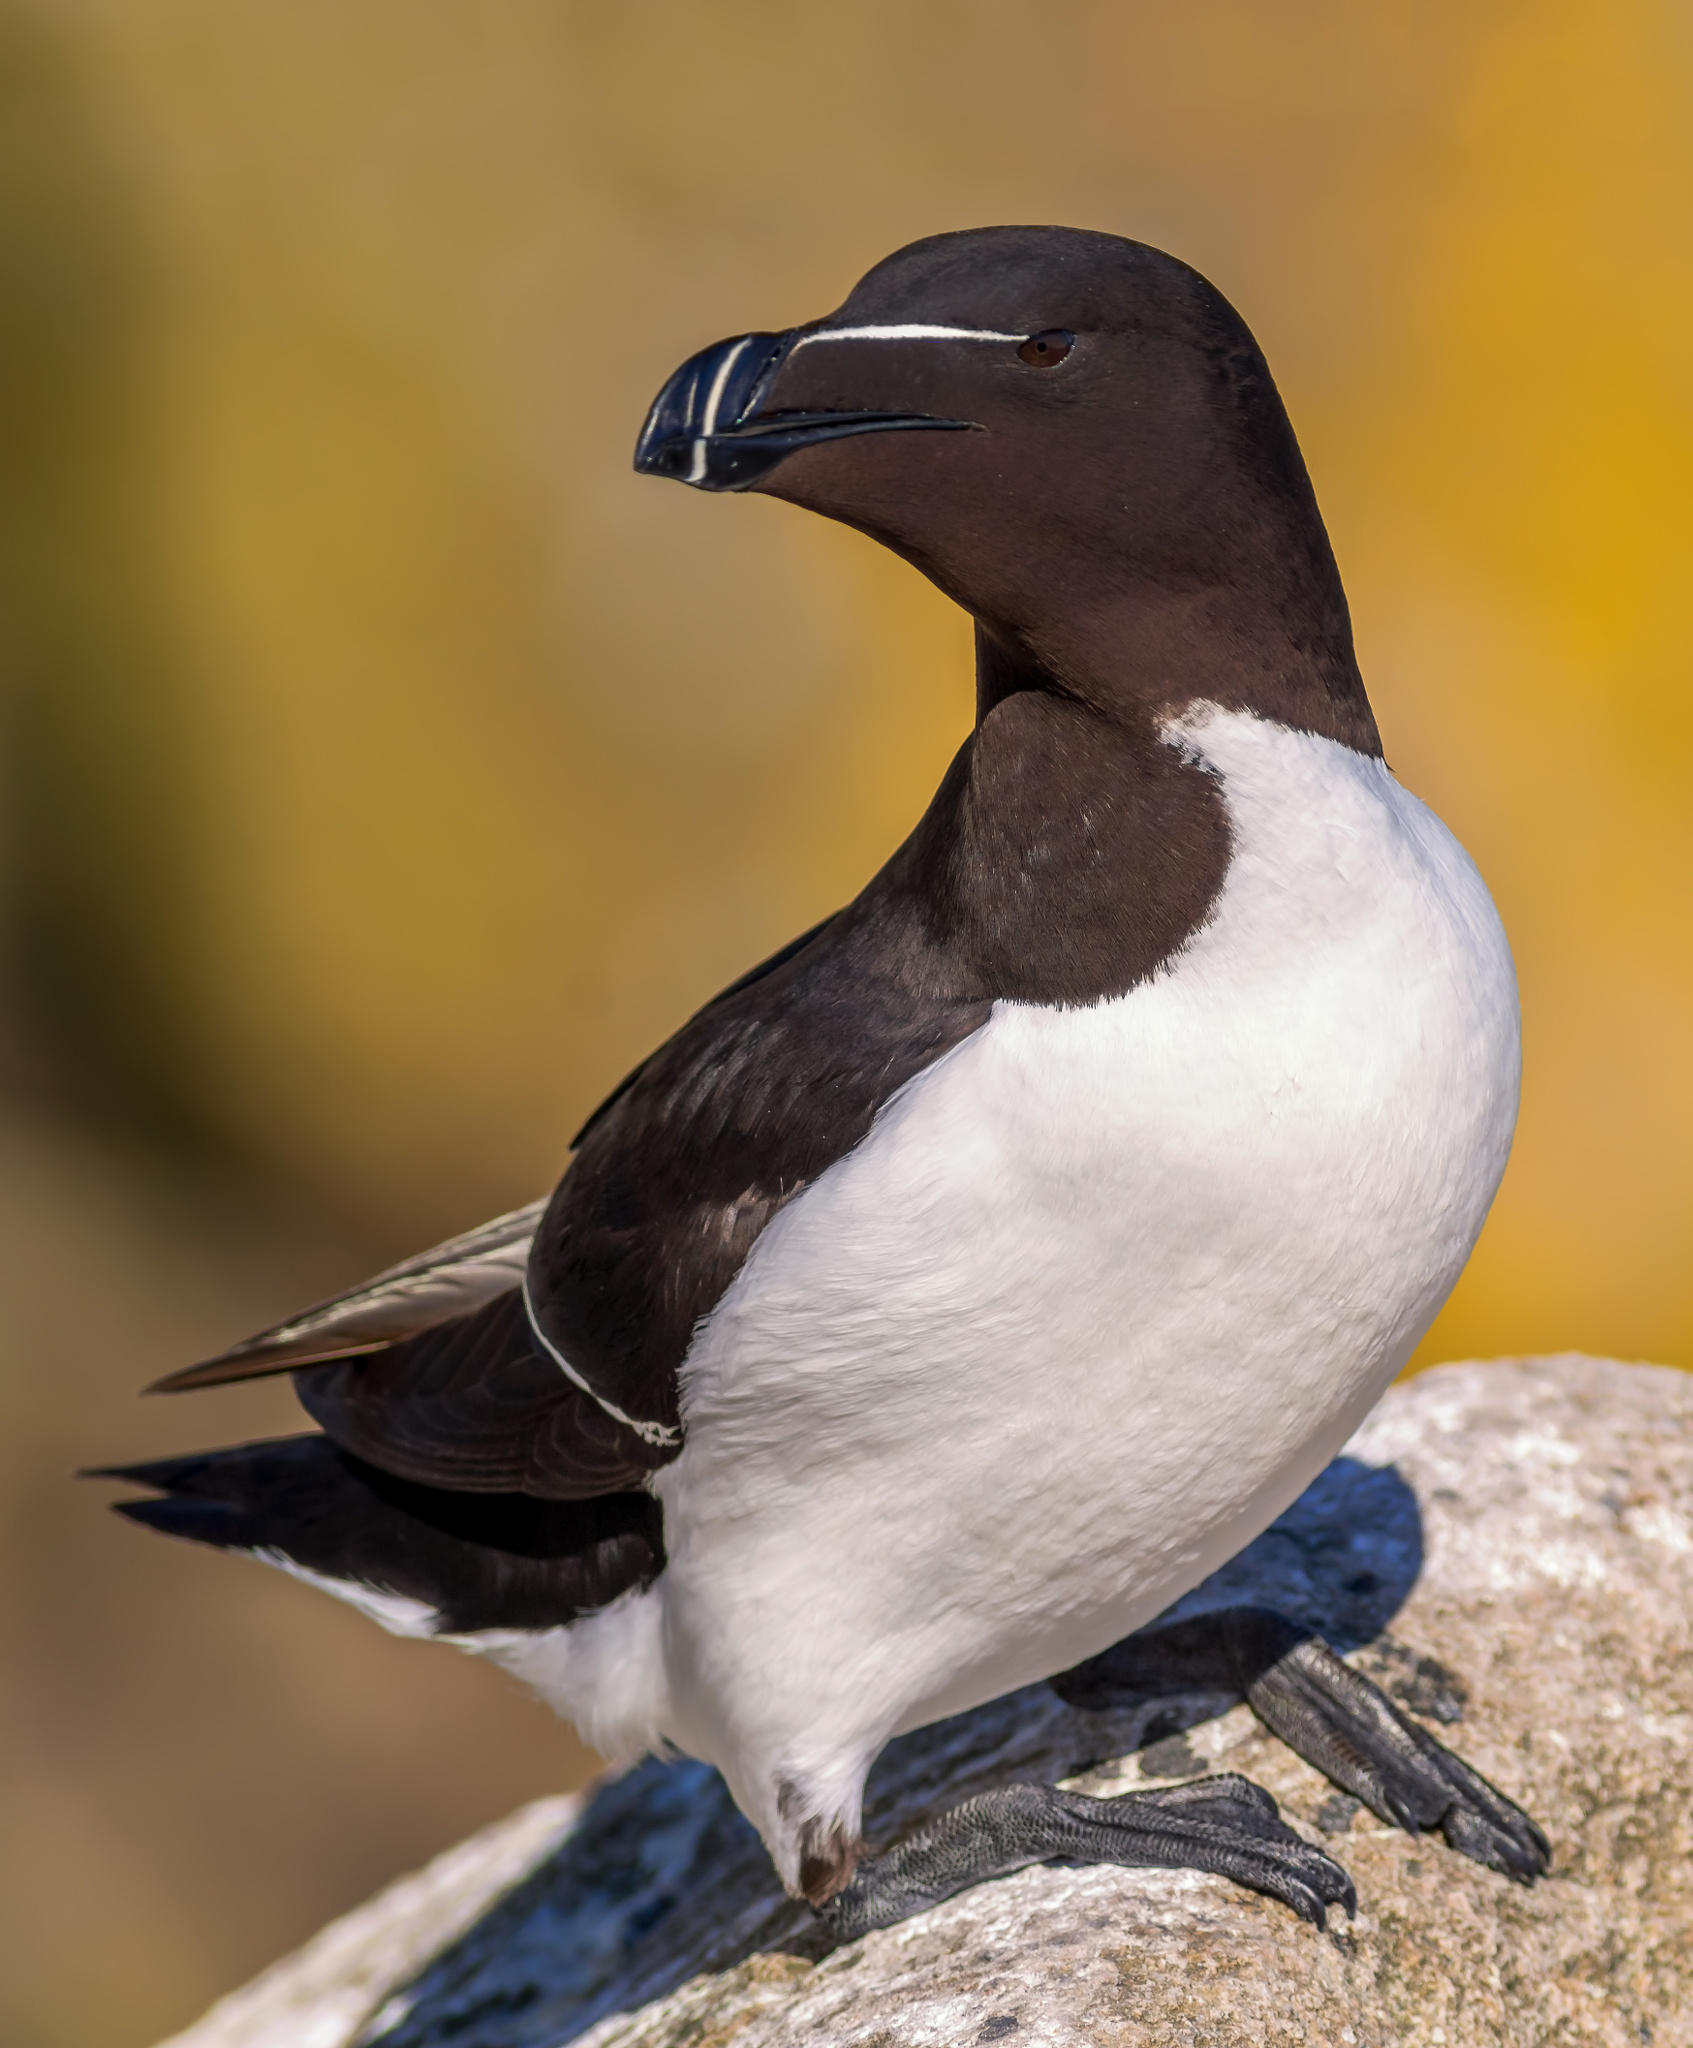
(1182, 1236)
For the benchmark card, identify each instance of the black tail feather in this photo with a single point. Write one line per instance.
(479, 1560)
(201, 1475)
(203, 1521)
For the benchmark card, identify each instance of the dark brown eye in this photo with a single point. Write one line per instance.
(1043, 350)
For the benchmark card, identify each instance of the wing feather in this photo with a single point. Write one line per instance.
(474, 1405)
(437, 1286)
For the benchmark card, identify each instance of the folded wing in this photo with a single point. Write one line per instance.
(476, 1406)
(541, 1355)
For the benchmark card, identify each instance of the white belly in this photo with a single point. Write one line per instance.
(1100, 1292)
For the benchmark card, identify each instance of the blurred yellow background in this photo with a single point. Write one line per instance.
(388, 767)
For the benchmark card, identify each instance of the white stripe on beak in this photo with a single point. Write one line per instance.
(708, 427)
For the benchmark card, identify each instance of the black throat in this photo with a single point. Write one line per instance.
(1070, 852)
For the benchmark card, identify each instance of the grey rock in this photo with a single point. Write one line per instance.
(1507, 1548)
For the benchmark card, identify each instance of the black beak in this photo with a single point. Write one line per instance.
(705, 427)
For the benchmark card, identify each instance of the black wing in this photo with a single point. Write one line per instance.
(477, 1406)
(432, 1371)
(434, 1287)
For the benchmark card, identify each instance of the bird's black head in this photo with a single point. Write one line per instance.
(1077, 438)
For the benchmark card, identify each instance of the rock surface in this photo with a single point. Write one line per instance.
(1507, 1547)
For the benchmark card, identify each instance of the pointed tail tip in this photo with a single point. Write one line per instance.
(131, 1475)
(200, 1521)
(140, 1510)
(184, 1498)
(159, 1475)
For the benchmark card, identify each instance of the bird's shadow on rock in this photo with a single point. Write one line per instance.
(661, 1880)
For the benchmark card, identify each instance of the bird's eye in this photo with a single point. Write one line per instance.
(1043, 350)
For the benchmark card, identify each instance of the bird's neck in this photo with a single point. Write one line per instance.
(1277, 644)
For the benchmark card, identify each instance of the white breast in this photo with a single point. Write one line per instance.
(1101, 1291)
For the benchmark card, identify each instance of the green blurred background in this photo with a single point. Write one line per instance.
(388, 767)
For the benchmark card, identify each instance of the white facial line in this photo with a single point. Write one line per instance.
(708, 426)
(916, 331)
(649, 1432)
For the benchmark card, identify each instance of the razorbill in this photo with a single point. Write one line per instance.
(971, 1278)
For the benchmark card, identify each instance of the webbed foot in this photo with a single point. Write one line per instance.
(1334, 1717)
(1224, 1824)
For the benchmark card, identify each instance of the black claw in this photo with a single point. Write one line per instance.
(1510, 1844)
(1291, 1891)
(1308, 1905)
(1327, 1882)
(1303, 1879)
